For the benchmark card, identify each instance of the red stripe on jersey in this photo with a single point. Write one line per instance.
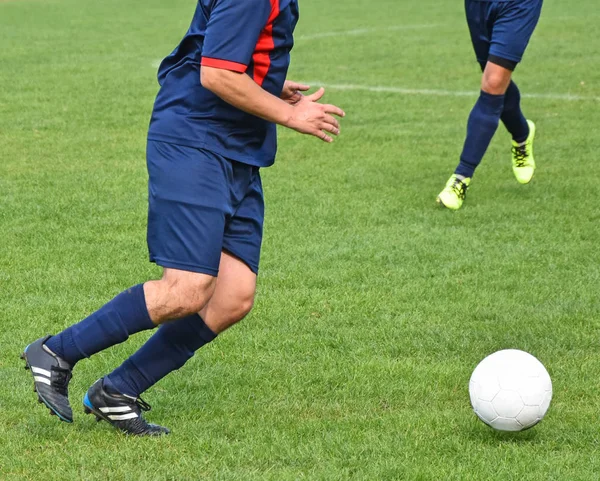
(264, 47)
(224, 64)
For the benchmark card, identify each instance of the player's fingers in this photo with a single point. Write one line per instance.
(295, 98)
(296, 86)
(333, 109)
(322, 135)
(330, 128)
(331, 120)
(317, 95)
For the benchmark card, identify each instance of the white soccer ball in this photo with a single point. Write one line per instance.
(510, 390)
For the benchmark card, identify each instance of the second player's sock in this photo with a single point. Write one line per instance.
(166, 351)
(482, 125)
(512, 116)
(112, 324)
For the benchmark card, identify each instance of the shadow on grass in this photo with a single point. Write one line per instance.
(486, 435)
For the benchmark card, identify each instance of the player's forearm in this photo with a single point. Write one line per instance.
(242, 92)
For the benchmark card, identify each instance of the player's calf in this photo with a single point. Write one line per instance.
(51, 376)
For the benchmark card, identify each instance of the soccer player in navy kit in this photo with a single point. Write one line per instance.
(500, 32)
(223, 90)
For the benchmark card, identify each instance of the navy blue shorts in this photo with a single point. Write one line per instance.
(201, 204)
(500, 31)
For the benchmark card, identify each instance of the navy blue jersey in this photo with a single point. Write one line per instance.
(254, 37)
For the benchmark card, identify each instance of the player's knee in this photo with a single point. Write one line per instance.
(494, 83)
(193, 302)
(242, 307)
(195, 296)
(189, 292)
(245, 307)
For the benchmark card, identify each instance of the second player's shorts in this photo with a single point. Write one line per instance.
(200, 204)
(500, 31)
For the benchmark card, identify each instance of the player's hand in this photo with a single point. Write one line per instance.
(312, 118)
(291, 92)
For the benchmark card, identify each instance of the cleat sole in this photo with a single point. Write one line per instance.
(24, 358)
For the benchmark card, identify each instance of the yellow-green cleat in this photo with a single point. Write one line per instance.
(522, 157)
(453, 195)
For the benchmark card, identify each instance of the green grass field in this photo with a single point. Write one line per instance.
(374, 305)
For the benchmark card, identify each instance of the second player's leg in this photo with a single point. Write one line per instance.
(512, 117)
(500, 33)
(484, 118)
(481, 127)
(512, 31)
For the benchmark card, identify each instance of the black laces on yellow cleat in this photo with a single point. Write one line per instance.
(520, 155)
(459, 188)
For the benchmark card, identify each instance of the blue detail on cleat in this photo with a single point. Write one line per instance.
(86, 402)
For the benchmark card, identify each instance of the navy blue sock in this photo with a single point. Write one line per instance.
(166, 351)
(512, 116)
(112, 324)
(482, 125)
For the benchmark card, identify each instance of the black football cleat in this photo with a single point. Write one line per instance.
(122, 411)
(51, 376)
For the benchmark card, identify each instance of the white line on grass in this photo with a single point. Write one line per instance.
(363, 31)
(446, 93)
(437, 93)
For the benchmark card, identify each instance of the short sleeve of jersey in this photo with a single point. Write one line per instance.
(232, 32)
